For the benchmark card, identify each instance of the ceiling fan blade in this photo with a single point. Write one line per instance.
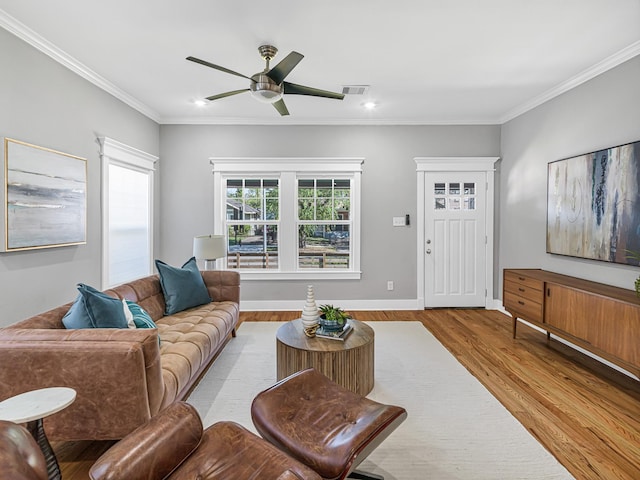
(217, 67)
(226, 94)
(294, 89)
(282, 69)
(281, 107)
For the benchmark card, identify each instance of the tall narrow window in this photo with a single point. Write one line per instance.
(127, 213)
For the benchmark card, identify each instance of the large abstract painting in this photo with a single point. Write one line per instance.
(45, 197)
(593, 205)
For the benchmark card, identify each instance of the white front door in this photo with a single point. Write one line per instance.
(455, 239)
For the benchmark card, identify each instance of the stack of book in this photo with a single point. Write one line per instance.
(335, 334)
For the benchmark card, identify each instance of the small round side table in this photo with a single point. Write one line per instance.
(349, 363)
(30, 408)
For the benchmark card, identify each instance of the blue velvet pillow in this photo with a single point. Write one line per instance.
(182, 287)
(94, 309)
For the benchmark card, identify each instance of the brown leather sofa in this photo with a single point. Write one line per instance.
(122, 377)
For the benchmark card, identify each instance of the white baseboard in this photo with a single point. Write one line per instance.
(288, 305)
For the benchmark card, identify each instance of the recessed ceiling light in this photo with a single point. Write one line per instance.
(199, 103)
(370, 105)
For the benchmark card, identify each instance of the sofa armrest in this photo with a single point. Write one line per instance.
(222, 285)
(154, 449)
(117, 375)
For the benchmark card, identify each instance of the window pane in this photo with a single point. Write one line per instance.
(306, 209)
(252, 246)
(323, 246)
(129, 234)
(324, 210)
(252, 199)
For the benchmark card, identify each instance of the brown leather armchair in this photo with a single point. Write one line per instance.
(174, 446)
(20, 455)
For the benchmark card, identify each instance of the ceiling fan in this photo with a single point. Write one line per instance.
(269, 86)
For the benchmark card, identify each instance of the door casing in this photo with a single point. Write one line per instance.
(454, 164)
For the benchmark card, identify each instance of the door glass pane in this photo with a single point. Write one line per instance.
(441, 204)
(469, 188)
(439, 189)
(454, 189)
(470, 203)
(454, 203)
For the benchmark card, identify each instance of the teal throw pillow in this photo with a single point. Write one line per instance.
(94, 309)
(182, 287)
(140, 316)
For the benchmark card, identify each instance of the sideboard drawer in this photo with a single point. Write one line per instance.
(513, 280)
(526, 308)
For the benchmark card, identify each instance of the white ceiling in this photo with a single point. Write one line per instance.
(427, 61)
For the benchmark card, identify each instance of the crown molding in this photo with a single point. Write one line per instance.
(608, 63)
(32, 38)
(210, 120)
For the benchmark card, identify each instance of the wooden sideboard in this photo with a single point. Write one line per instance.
(601, 319)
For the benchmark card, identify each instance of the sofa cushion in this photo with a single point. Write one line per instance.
(94, 309)
(182, 287)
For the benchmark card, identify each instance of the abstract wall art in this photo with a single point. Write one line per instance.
(593, 205)
(45, 194)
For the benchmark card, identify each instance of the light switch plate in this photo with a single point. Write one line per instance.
(398, 221)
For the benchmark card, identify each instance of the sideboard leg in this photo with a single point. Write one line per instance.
(515, 323)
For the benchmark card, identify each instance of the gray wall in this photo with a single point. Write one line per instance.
(43, 103)
(601, 113)
(388, 189)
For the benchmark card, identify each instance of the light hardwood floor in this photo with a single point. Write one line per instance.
(586, 414)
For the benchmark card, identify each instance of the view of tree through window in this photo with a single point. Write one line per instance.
(324, 221)
(252, 214)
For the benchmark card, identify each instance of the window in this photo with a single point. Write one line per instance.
(296, 218)
(252, 206)
(457, 199)
(127, 186)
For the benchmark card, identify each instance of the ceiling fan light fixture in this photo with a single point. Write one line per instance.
(264, 89)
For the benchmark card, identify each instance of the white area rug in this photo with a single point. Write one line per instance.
(455, 429)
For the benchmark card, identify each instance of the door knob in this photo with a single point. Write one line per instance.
(428, 250)
(428, 241)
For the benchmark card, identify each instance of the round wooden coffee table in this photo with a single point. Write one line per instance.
(349, 363)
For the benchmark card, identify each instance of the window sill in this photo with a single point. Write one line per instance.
(310, 275)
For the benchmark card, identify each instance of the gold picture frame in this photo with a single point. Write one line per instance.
(45, 197)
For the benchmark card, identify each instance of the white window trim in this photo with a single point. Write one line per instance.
(223, 166)
(113, 152)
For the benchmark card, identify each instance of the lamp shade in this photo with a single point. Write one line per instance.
(209, 247)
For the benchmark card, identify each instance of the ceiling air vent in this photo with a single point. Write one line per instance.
(355, 89)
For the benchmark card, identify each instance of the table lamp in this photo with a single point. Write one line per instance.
(209, 248)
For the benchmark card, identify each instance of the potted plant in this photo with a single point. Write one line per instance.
(635, 256)
(333, 318)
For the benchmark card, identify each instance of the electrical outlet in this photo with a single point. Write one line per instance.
(390, 285)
